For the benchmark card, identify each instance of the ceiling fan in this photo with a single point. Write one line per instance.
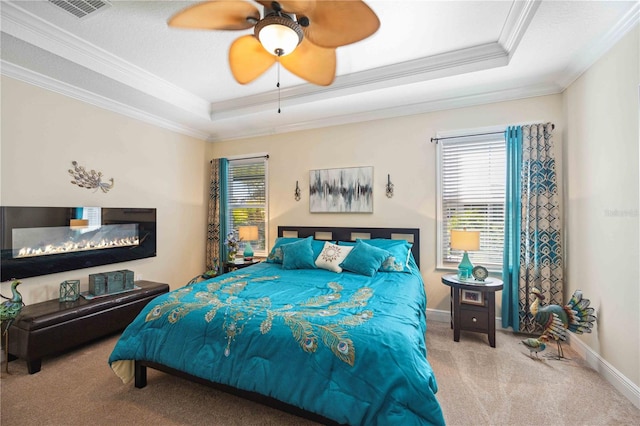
(300, 34)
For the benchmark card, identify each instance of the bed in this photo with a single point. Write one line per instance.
(337, 347)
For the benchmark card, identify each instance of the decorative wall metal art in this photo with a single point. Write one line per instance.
(89, 179)
(296, 194)
(348, 190)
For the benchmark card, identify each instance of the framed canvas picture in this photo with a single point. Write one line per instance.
(348, 190)
(472, 297)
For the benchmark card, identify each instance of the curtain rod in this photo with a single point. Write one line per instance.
(248, 158)
(553, 126)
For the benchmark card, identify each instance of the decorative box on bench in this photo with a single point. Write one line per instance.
(47, 328)
(110, 282)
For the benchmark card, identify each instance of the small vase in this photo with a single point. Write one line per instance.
(231, 257)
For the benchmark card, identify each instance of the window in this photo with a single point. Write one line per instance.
(247, 198)
(471, 194)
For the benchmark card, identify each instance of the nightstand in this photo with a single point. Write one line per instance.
(473, 306)
(239, 264)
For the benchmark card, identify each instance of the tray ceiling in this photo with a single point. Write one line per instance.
(426, 56)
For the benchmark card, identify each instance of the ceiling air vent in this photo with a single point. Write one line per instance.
(81, 8)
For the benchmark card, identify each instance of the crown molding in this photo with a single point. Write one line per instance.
(456, 62)
(32, 29)
(595, 51)
(23, 74)
(521, 92)
(19, 73)
(520, 16)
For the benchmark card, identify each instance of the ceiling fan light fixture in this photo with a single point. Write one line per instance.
(279, 35)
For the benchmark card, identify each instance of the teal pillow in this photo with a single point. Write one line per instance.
(275, 255)
(298, 255)
(364, 259)
(400, 250)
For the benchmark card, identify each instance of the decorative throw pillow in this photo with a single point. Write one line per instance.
(400, 250)
(331, 256)
(275, 255)
(298, 255)
(364, 259)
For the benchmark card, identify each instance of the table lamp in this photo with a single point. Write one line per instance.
(465, 240)
(247, 234)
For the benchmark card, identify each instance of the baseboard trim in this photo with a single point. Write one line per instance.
(438, 315)
(618, 380)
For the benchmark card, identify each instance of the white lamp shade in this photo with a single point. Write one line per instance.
(465, 240)
(248, 233)
(278, 38)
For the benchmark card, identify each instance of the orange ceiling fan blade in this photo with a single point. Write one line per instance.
(248, 59)
(312, 63)
(292, 6)
(335, 23)
(217, 15)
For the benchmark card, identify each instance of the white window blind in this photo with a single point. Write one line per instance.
(247, 198)
(471, 190)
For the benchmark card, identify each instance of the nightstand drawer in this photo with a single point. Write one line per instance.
(474, 320)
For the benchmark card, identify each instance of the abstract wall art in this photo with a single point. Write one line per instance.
(348, 190)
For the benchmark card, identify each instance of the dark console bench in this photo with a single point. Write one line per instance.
(49, 327)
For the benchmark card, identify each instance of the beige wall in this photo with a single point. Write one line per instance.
(601, 199)
(596, 141)
(400, 147)
(42, 132)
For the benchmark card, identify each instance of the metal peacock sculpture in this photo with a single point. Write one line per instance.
(576, 316)
(536, 345)
(9, 310)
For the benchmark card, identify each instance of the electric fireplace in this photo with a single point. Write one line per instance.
(45, 240)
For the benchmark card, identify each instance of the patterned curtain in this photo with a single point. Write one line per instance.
(536, 233)
(216, 220)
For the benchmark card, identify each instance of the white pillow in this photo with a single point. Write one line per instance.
(332, 256)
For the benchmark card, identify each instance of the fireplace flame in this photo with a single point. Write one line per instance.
(70, 247)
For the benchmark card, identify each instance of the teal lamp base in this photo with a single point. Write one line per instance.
(465, 268)
(248, 252)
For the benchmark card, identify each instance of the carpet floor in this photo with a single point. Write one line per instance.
(478, 385)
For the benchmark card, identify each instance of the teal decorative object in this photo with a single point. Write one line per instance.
(465, 267)
(69, 290)
(110, 282)
(248, 234)
(536, 345)
(576, 316)
(248, 251)
(9, 310)
(465, 240)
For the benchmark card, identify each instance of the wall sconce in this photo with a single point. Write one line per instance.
(296, 194)
(389, 187)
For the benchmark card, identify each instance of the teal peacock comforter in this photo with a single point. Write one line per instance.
(348, 347)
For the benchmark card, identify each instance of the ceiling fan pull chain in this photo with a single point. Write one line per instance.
(278, 86)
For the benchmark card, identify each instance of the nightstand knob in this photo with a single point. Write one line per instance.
(474, 319)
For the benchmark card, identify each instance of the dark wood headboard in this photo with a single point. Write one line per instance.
(351, 234)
